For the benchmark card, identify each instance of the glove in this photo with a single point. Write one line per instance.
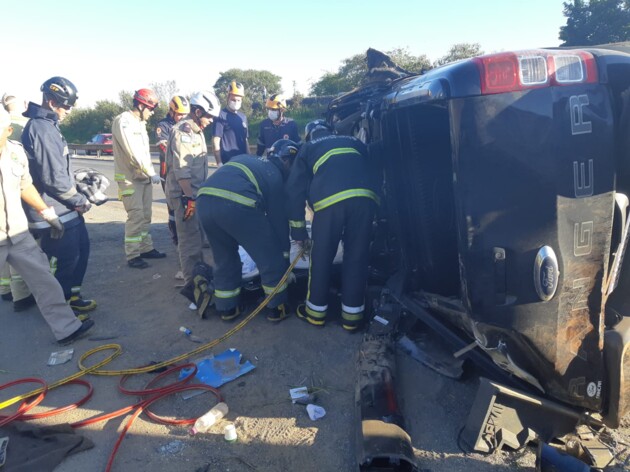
(56, 226)
(155, 179)
(84, 208)
(189, 207)
(306, 245)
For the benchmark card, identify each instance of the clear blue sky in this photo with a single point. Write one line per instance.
(105, 47)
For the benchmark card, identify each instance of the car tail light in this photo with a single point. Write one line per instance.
(516, 71)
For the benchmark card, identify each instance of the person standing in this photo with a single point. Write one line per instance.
(332, 173)
(230, 131)
(243, 203)
(186, 170)
(134, 173)
(12, 286)
(49, 162)
(178, 107)
(276, 126)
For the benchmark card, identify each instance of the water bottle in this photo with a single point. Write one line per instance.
(185, 330)
(204, 422)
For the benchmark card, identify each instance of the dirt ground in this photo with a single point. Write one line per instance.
(143, 311)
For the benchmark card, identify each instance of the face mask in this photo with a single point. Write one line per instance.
(234, 106)
(273, 115)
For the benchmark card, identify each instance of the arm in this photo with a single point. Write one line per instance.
(216, 149)
(296, 189)
(260, 144)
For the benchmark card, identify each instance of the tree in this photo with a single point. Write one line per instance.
(595, 22)
(83, 123)
(258, 85)
(459, 51)
(165, 90)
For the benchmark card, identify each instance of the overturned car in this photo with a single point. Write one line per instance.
(504, 216)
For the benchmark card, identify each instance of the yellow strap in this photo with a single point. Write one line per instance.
(235, 197)
(297, 224)
(333, 152)
(338, 197)
(248, 173)
(227, 293)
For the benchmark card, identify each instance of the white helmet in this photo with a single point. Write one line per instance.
(207, 101)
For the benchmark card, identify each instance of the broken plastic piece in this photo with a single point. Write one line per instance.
(60, 357)
(315, 412)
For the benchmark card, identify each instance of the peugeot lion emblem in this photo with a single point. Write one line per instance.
(546, 273)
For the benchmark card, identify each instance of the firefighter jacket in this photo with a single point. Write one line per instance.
(14, 178)
(186, 158)
(49, 165)
(256, 183)
(326, 171)
(132, 155)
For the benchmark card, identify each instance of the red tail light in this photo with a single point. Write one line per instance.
(515, 71)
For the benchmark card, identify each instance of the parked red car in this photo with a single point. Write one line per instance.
(102, 138)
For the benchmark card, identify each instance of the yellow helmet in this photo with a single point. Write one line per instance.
(179, 104)
(276, 102)
(236, 88)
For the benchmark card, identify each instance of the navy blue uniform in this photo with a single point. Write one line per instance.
(231, 127)
(270, 133)
(332, 174)
(242, 203)
(49, 165)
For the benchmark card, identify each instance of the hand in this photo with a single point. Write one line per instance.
(56, 228)
(189, 207)
(83, 208)
(155, 179)
(306, 246)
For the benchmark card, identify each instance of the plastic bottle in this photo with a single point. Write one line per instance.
(185, 330)
(204, 422)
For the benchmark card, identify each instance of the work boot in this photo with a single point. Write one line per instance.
(84, 328)
(229, 315)
(79, 305)
(137, 263)
(7, 297)
(24, 303)
(152, 254)
(277, 314)
(304, 316)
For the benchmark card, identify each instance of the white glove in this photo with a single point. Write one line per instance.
(48, 213)
(155, 179)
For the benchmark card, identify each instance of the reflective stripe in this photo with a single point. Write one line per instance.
(315, 307)
(248, 173)
(63, 218)
(120, 177)
(297, 224)
(75, 290)
(352, 309)
(53, 265)
(70, 193)
(5, 282)
(133, 239)
(354, 317)
(338, 197)
(235, 197)
(227, 293)
(126, 193)
(318, 315)
(268, 289)
(333, 152)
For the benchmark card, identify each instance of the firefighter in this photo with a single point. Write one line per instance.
(186, 170)
(230, 129)
(17, 245)
(179, 107)
(276, 126)
(331, 172)
(243, 203)
(50, 168)
(134, 173)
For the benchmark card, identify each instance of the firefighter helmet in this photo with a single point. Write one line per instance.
(284, 149)
(60, 90)
(146, 97)
(276, 102)
(207, 101)
(236, 88)
(316, 129)
(179, 104)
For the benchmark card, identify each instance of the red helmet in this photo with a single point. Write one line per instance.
(146, 97)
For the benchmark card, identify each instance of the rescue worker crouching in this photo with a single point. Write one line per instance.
(134, 173)
(243, 203)
(186, 170)
(276, 126)
(179, 107)
(332, 173)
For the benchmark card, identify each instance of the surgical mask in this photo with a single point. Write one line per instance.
(234, 105)
(273, 115)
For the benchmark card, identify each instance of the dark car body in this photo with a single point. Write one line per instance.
(504, 214)
(103, 139)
